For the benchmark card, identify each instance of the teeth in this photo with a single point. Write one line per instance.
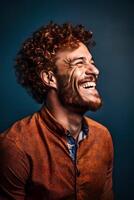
(89, 85)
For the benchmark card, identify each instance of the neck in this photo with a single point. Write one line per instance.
(66, 116)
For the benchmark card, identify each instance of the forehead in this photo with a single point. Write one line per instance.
(81, 51)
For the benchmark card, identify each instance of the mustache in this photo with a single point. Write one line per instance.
(90, 78)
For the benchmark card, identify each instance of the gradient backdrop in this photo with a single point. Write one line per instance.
(113, 26)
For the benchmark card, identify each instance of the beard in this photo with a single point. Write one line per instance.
(71, 97)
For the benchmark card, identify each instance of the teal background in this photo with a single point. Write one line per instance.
(112, 23)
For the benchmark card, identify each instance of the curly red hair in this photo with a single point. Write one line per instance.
(38, 52)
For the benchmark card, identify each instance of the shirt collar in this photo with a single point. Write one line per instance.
(53, 125)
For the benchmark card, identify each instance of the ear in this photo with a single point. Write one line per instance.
(48, 79)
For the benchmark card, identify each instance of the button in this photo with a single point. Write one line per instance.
(78, 172)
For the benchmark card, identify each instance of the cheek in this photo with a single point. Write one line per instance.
(75, 77)
(63, 81)
(70, 79)
(79, 74)
(75, 74)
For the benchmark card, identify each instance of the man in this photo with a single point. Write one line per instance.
(57, 153)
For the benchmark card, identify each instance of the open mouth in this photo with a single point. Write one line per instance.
(89, 85)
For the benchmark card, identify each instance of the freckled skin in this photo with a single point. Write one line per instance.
(68, 77)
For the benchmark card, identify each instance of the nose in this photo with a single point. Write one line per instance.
(91, 69)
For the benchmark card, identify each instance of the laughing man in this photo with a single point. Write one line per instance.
(57, 153)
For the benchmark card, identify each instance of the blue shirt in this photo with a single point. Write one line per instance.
(73, 143)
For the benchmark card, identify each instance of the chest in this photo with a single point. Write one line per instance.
(57, 176)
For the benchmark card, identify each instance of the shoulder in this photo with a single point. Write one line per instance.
(19, 130)
(99, 130)
(101, 135)
(95, 124)
(20, 126)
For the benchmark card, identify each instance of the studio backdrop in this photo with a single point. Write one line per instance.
(112, 25)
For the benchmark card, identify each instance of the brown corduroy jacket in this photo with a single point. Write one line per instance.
(35, 162)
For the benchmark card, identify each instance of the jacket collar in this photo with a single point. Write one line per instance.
(54, 126)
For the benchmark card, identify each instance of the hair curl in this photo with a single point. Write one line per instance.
(38, 52)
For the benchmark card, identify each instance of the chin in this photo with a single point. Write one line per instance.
(79, 104)
(94, 107)
(82, 106)
(91, 105)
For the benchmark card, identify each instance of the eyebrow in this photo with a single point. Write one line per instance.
(70, 61)
(80, 58)
(77, 58)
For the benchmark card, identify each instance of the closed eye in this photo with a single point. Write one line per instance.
(79, 63)
(92, 62)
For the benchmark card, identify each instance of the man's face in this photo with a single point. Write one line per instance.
(76, 79)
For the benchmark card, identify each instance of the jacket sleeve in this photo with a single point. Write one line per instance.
(14, 171)
(108, 186)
